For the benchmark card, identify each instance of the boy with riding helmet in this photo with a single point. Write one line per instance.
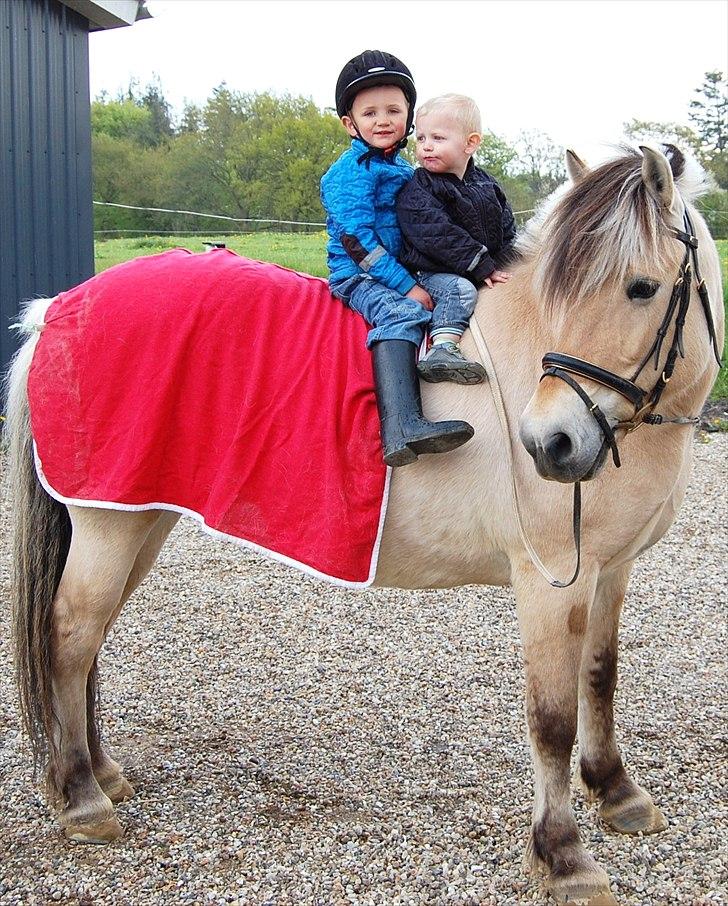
(375, 98)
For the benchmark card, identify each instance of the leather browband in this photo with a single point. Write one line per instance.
(586, 369)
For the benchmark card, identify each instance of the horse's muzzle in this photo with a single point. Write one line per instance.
(561, 455)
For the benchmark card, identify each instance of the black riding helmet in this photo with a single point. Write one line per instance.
(370, 68)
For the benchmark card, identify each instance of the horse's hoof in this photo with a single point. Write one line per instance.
(587, 885)
(118, 789)
(636, 815)
(102, 832)
(582, 889)
(599, 899)
(636, 822)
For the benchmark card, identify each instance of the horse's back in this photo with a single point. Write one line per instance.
(233, 390)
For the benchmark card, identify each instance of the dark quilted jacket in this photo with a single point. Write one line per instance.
(463, 227)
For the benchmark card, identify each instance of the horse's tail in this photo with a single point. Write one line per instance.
(41, 539)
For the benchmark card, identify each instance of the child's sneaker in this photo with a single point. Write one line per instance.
(445, 362)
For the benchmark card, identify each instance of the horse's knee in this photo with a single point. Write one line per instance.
(553, 730)
(552, 720)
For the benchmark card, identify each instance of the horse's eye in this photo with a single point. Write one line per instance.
(642, 288)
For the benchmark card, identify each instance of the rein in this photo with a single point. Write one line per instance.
(562, 366)
(505, 428)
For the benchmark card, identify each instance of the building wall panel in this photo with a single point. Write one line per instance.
(46, 218)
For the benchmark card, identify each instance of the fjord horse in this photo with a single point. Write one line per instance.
(606, 267)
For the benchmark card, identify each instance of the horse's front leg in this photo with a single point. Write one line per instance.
(552, 625)
(623, 805)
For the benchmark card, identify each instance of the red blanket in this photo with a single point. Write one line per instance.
(235, 391)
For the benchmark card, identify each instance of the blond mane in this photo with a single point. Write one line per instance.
(591, 233)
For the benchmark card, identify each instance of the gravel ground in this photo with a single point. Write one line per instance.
(293, 743)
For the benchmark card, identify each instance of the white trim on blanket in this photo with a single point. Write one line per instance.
(215, 533)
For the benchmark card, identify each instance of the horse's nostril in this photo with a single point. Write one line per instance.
(559, 448)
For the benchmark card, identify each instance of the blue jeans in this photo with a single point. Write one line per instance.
(394, 316)
(454, 299)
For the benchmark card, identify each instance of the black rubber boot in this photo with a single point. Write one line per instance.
(405, 431)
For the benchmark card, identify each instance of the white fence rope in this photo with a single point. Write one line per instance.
(180, 232)
(132, 207)
(310, 223)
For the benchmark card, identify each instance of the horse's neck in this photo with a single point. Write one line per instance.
(516, 335)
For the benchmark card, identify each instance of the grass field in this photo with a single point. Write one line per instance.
(720, 388)
(301, 252)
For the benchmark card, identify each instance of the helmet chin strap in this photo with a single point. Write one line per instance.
(372, 151)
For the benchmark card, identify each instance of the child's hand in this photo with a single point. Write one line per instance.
(420, 294)
(496, 277)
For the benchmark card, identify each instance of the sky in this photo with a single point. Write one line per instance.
(574, 69)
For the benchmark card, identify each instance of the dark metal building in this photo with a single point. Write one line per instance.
(46, 214)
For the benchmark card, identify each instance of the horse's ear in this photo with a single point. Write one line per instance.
(675, 158)
(575, 166)
(657, 176)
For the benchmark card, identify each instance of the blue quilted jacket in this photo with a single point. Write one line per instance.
(361, 218)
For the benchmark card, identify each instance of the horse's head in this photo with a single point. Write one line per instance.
(613, 267)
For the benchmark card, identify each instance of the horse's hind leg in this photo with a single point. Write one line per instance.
(108, 772)
(623, 805)
(104, 548)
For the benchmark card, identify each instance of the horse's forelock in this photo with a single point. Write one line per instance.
(596, 230)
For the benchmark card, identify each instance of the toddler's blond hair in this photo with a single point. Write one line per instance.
(463, 110)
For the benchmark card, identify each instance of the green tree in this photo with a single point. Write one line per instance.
(124, 173)
(540, 162)
(709, 112)
(495, 155)
(191, 119)
(122, 120)
(184, 182)
(269, 152)
(155, 102)
(656, 133)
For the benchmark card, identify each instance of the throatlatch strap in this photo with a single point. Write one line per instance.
(703, 292)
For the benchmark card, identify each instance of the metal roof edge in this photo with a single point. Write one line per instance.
(105, 14)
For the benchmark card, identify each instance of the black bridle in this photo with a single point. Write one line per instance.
(556, 364)
(559, 365)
